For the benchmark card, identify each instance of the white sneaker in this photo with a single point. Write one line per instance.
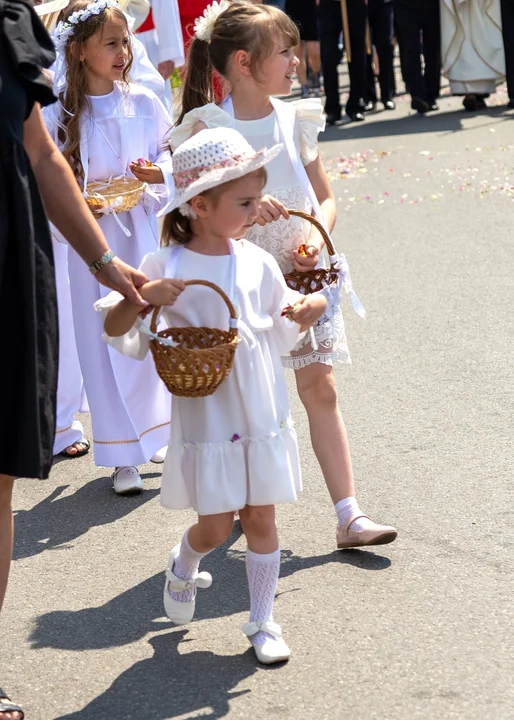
(181, 613)
(127, 480)
(159, 455)
(273, 649)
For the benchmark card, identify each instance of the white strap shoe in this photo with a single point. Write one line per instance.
(274, 649)
(159, 456)
(181, 613)
(127, 480)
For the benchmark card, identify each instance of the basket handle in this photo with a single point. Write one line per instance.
(206, 283)
(314, 221)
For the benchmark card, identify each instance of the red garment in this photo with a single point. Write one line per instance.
(189, 11)
(148, 23)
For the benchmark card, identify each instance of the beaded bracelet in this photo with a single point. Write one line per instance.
(102, 262)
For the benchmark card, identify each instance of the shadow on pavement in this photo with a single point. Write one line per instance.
(170, 684)
(138, 611)
(57, 521)
(438, 122)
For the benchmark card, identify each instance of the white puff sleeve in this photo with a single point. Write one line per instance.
(311, 118)
(134, 344)
(211, 115)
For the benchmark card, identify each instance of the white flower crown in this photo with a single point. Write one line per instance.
(204, 25)
(65, 30)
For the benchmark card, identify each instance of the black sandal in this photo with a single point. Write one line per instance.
(79, 453)
(6, 706)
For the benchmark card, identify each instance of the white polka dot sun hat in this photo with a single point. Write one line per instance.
(210, 158)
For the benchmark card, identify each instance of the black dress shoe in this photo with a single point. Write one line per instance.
(419, 104)
(356, 116)
(470, 103)
(369, 106)
(432, 105)
(333, 118)
(511, 104)
(389, 105)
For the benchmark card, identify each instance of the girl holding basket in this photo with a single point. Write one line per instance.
(252, 47)
(235, 449)
(101, 123)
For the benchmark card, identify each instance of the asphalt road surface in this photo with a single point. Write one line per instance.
(421, 629)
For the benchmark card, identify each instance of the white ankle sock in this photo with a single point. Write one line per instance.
(186, 566)
(349, 508)
(262, 572)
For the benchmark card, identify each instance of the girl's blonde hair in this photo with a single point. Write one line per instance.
(74, 99)
(177, 228)
(242, 26)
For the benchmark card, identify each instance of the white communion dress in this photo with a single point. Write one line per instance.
(238, 445)
(282, 238)
(121, 127)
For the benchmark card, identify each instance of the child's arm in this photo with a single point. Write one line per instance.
(308, 310)
(315, 243)
(122, 317)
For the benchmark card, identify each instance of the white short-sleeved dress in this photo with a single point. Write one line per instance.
(238, 445)
(283, 237)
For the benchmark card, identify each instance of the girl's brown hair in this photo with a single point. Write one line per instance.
(74, 100)
(177, 228)
(242, 26)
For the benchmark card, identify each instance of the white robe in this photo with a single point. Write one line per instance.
(238, 445)
(472, 45)
(70, 399)
(123, 127)
(164, 41)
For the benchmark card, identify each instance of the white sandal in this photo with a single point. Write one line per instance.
(181, 613)
(273, 649)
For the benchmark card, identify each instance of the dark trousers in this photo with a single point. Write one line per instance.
(330, 28)
(381, 24)
(413, 18)
(507, 7)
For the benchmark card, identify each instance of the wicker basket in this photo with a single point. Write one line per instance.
(49, 12)
(100, 195)
(203, 357)
(314, 280)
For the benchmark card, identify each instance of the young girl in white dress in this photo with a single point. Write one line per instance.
(252, 47)
(102, 123)
(236, 449)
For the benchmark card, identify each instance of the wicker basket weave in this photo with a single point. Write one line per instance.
(203, 357)
(314, 280)
(100, 195)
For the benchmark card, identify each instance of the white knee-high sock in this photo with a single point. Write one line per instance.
(262, 572)
(186, 566)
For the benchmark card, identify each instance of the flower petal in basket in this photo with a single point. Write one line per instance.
(119, 194)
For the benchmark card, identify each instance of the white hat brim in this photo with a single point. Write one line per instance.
(213, 178)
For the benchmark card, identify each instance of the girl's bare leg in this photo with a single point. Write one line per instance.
(301, 70)
(314, 55)
(317, 391)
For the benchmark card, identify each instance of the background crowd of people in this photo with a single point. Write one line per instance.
(471, 43)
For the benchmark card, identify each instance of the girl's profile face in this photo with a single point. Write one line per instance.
(233, 213)
(277, 71)
(106, 53)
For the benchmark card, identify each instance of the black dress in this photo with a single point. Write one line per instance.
(29, 336)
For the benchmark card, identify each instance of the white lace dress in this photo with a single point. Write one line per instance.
(283, 237)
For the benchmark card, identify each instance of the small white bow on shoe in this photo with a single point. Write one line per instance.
(181, 613)
(274, 649)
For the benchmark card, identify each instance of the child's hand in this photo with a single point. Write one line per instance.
(306, 257)
(270, 210)
(162, 292)
(308, 310)
(151, 174)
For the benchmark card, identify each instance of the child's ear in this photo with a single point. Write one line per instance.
(242, 62)
(77, 52)
(201, 205)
